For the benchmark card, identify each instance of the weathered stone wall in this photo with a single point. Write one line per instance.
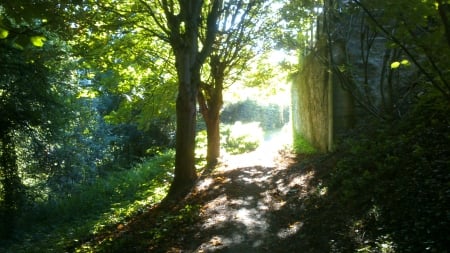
(346, 76)
(310, 103)
(343, 102)
(322, 107)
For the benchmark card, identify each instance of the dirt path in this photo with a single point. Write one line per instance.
(255, 202)
(244, 204)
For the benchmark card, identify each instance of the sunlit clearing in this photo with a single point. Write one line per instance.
(266, 152)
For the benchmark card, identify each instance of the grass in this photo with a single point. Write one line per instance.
(302, 146)
(65, 221)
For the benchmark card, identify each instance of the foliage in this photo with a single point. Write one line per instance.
(241, 138)
(397, 177)
(241, 28)
(375, 51)
(298, 24)
(92, 209)
(30, 106)
(171, 222)
(235, 139)
(425, 41)
(88, 87)
(270, 116)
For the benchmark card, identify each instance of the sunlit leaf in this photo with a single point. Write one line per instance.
(87, 94)
(395, 65)
(405, 62)
(3, 33)
(38, 41)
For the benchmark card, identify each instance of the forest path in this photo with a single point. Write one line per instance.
(244, 203)
(253, 202)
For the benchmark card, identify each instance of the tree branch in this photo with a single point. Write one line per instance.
(443, 14)
(428, 76)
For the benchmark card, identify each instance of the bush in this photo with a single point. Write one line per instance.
(401, 170)
(240, 138)
(61, 221)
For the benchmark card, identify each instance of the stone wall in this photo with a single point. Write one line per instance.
(322, 108)
(345, 76)
(310, 103)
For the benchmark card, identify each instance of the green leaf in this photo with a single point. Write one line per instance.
(85, 93)
(38, 41)
(395, 65)
(3, 33)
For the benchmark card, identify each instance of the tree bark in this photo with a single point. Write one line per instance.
(185, 172)
(183, 34)
(186, 110)
(211, 100)
(213, 137)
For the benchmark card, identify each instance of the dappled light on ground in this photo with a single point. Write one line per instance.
(241, 198)
(253, 202)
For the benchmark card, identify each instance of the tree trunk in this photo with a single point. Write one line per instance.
(11, 184)
(213, 137)
(186, 110)
(183, 31)
(185, 172)
(210, 100)
(210, 106)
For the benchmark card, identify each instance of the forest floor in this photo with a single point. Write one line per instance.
(254, 202)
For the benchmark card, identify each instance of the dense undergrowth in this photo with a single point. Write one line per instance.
(61, 222)
(392, 182)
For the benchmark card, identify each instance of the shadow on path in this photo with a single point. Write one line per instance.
(249, 209)
(264, 201)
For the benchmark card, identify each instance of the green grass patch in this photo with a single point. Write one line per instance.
(302, 146)
(63, 221)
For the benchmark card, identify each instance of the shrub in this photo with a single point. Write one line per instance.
(240, 138)
(401, 170)
(63, 220)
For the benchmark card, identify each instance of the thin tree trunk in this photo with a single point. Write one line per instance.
(211, 100)
(210, 105)
(213, 137)
(11, 184)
